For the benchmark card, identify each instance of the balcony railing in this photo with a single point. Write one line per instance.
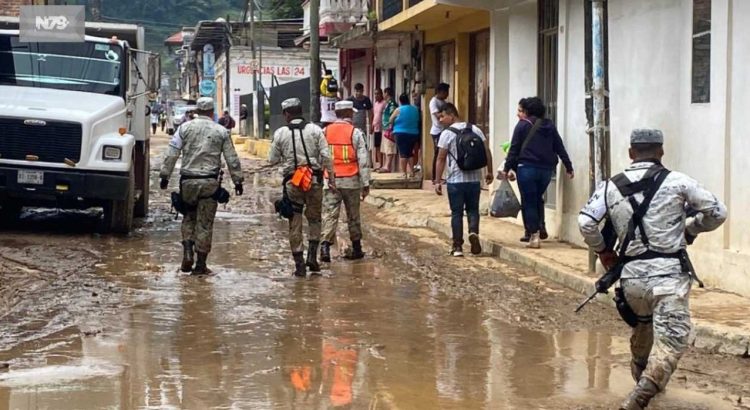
(391, 8)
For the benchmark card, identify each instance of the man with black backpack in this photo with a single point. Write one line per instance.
(646, 206)
(464, 147)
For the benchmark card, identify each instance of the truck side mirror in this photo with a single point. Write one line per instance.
(153, 80)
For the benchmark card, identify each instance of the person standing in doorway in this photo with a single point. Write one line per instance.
(464, 187)
(363, 109)
(534, 151)
(405, 122)
(351, 166)
(202, 144)
(297, 146)
(436, 107)
(389, 141)
(377, 126)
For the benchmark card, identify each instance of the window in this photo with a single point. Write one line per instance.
(701, 75)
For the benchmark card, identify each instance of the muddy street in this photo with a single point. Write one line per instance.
(94, 321)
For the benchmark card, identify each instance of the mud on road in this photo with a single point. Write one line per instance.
(98, 321)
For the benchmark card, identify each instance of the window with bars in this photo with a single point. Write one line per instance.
(548, 20)
(701, 65)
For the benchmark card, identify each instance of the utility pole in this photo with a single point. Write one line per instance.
(256, 117)
(314, 61)
(598, 91)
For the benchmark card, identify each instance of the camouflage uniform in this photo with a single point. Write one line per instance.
(655, 287)
(282, 151)
(349, 191)
(201, 143)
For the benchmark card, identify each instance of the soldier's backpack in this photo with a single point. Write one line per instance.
(470, 152)
(332, 86)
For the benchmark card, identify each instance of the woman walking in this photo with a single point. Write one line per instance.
(405, 122)
(534, 151)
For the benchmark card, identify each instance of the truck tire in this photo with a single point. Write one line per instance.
(118, 214)
(9, 212)
(143, 178)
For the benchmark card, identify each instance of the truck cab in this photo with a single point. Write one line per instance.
(73, 126)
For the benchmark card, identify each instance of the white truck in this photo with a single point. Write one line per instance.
(74, 122)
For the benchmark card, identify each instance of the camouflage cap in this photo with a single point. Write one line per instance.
(290, 102)
(205, 104)
(646, 136)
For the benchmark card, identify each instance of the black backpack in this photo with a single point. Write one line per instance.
(332, 86)
(470, 151)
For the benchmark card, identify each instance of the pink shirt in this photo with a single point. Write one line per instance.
(377, 111)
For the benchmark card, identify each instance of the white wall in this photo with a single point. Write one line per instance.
(650, 54)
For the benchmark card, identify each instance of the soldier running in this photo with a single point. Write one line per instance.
(201, 143)
(301, 147)
(350, 164)
(656, 273)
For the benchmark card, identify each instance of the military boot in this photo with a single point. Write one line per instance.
(299, 264)
(187, 256)
(356, 251)
(312, 256)
(200, 265)
(325, 251)
(638, 399)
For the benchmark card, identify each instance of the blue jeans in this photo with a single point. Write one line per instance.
(464, 195)
(533, 182)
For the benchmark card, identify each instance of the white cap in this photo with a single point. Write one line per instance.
(345, 105)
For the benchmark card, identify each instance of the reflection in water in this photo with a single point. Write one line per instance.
(250, 337)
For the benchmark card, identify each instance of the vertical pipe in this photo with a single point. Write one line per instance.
(256, 117)
(597, 37)
(314, 61)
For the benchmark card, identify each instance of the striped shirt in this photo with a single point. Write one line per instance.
(448, 141)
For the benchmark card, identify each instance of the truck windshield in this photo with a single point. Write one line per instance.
(88, 67)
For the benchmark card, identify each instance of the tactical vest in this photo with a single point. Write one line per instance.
(340, 137)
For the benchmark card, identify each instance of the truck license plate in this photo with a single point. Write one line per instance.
(30, 177)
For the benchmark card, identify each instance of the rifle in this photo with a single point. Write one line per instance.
(611, 276)
(603, 284)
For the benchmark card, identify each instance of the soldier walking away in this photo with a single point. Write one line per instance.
(302, 150)
(646, 206)
(351, 167)
(201, 143)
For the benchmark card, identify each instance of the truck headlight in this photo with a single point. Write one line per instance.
(111, 153)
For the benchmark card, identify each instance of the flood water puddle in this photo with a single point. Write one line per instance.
(364, 336)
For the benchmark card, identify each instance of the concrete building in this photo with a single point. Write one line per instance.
(440, 42)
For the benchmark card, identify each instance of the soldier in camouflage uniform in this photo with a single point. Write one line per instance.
(296, 145)
(201, 143)
(654, 281)
(351, 165)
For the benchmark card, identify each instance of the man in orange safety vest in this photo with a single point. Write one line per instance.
(350, 155)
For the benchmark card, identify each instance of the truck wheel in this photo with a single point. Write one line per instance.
(118, 214)
(143, 178)
(9, 212)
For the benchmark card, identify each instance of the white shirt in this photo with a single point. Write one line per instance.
(447, 141)
(328, 109)
(436, 105)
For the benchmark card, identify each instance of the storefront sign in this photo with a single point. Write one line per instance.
(277, 70)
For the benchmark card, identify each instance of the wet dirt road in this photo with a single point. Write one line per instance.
(103, 322)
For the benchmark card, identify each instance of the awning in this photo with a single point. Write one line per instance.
(174, 40)
(358, 37)
(216, 33)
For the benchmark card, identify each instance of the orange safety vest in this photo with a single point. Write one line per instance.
(340, 136)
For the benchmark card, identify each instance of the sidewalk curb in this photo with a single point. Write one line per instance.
(706, 336)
